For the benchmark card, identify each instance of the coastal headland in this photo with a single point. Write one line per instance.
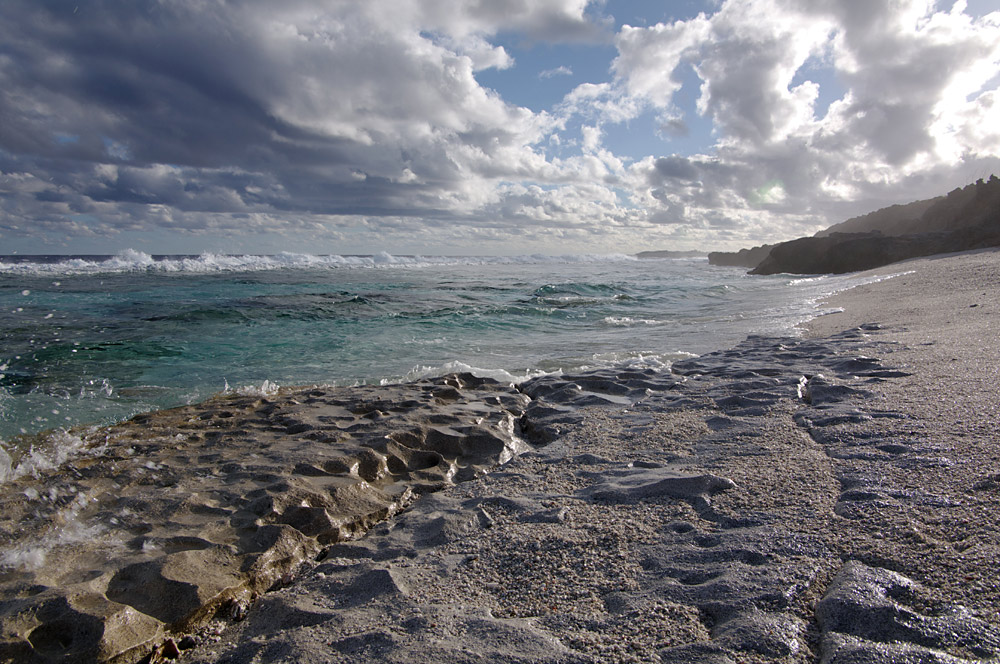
(824, 498)
(965, 219)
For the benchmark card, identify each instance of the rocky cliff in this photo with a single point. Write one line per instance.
(742, 258)
(967, 218)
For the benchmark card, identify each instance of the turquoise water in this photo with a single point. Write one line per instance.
(92, 340)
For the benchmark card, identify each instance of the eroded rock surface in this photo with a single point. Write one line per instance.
(177, 515)
(871, 615)
(685, 517)
(748, 506)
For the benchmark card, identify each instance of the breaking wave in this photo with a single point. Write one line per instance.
(131, 260)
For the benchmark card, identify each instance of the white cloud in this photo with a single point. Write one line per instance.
(591, 138)
(562, 70)
(544, 20)
(748, 65)
(913, 105)
(648, 57)
(325, 116)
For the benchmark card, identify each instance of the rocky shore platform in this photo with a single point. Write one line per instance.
(827, 498)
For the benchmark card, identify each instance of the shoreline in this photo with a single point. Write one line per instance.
(854, 564)
(730, 511)
(164, 340)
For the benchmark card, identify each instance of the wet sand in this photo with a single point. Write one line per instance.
(831, 498)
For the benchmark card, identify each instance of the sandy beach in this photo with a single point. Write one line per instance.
(825, 498)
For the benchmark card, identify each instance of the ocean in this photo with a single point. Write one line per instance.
(91, 340)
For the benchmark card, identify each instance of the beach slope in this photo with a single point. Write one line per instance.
(826, 498)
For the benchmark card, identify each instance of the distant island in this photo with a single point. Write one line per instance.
(964, 219)
(671, 254)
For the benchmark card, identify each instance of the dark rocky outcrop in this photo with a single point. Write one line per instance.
(967, 218)
(964, 207)
(742, 258)
(893, 220)
(840, 253)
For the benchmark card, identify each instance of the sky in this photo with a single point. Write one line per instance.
(486, 127)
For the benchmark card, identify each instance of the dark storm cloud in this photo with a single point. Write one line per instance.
(676, 167)
(242, 106)
(163, 82)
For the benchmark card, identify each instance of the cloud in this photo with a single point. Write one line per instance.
(914, 104)
(342, 120)
(562, 70)
(649, 57)
(541, 20)
(251, 107)
(677, 168)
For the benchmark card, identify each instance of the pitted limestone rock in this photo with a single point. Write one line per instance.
(632, 485)
(867, 616)
(178, 514)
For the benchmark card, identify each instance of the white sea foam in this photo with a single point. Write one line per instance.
(6, 466)
(55, 449)
(265, 389)
(67, 528)
(131, 260)
(636, 360)
(421, 372)
(625, 321)
(806, 280)
(58, 447)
